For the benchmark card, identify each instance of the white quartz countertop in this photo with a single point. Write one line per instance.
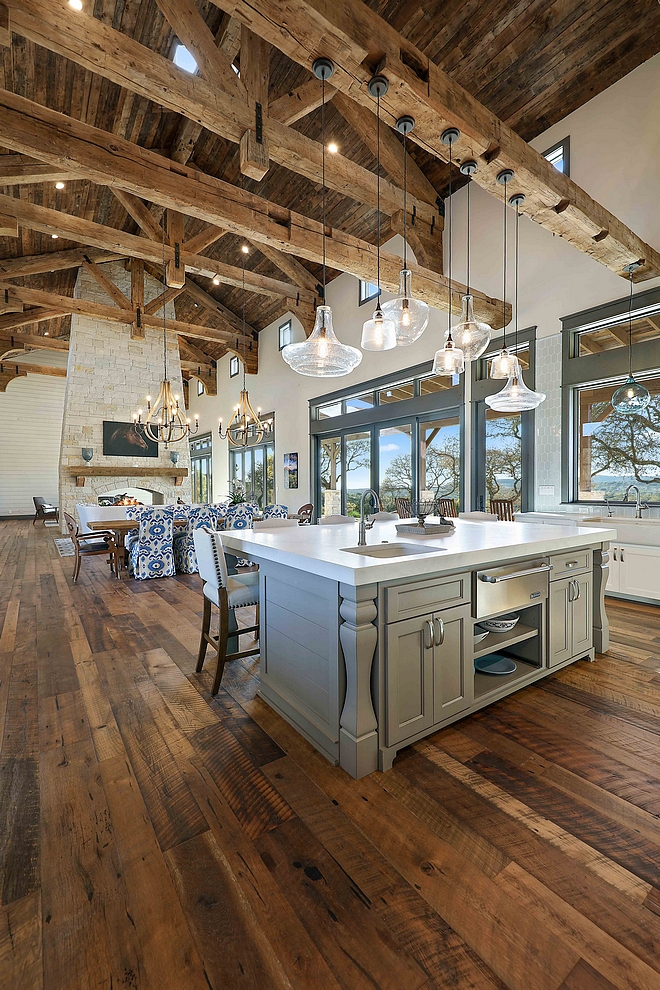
(320, 549)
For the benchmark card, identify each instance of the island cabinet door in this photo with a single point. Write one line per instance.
(453, 678)
(409, 677)
(582, 607)
(560, 620)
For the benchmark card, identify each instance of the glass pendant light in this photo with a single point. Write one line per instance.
(322, 355)
(470, 334)
(449, 359)
(515, 396)
(410, 316)
(505, 364)
(631, 398)
(378, 333)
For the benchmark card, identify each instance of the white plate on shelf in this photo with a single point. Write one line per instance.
(502, 624)
(479, 637)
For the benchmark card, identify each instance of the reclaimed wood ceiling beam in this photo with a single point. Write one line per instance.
(228, 40)
(115, 314)
(34, 340)
(53, 261)
(21, 170)
(121, 244)
(298, 102)
(359, 42)
(18, 369)
(109, 160)
(100, 49)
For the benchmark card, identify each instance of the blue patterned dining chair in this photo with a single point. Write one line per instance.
(240, 517)
(152, 554)
(185, 558)
(276, 511)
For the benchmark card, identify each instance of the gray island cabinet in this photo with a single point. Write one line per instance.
(366, 650)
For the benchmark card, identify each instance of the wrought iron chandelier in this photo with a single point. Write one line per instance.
(246, 428)
(165, 422)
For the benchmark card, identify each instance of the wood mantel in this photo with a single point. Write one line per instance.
(80, 473)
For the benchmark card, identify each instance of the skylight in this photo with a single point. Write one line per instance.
(184, 59)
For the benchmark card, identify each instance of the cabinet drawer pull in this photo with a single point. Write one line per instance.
(571, 563)
(439, 631)
(428, 634)
(490, 579)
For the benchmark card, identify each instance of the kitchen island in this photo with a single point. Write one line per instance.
(364, 650)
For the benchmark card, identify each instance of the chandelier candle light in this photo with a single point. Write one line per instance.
(449, 360)
(322, 355)
(505, 364)
(515, 396)
(378, 333)
(470, 335)
(246, 428)
(165, 422)
(631, 398)
(410, 316)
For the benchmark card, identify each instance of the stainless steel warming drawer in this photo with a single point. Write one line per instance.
(502, 589)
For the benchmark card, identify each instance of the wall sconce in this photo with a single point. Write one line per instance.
(87, 454)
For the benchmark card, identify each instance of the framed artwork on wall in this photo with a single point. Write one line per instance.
(291, 470)
(123, 440)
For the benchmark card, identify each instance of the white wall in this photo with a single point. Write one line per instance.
(615, 157)
(30, 426)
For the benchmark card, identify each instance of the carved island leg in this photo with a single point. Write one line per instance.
(601, 622)
(358, 733)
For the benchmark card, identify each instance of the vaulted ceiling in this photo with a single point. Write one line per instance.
(530, 63)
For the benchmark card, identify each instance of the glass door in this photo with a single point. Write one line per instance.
(504, 458)
(440, 458)
(395, 464)
(357, 459)
(330, 475)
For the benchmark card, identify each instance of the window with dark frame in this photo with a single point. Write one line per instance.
(367, 291)
(559, 155)
(234, 367)
(604, 452)
(284, 334)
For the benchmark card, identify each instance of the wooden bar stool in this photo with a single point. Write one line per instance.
(226, 593)
(503, 508)
(446, 507)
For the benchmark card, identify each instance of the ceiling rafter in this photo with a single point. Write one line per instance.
(129, 245)
(109, 160)
(360, 42)
(297, 103)
(99, 48)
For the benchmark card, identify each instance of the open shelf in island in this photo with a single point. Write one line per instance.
(494, 642)
(491, 683)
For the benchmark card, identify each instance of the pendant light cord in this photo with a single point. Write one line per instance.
(405, 203)
(449, 336)
(378, 198)
(630, 301)
(467, 273)
(243, 319)
(323, 172)
(504, 280)
(164, 300)
(517, 262)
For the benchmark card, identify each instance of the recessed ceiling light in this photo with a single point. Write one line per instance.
(216, 281)
(54, 236)
(59, 185)
(46, 333)
(76, 4)
(245, 249)
(332, 148)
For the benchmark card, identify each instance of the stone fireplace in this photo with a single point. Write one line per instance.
(108, 378)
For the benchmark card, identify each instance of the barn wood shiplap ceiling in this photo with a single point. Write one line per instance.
(531, 64)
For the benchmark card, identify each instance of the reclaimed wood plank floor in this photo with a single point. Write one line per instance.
(155, 838)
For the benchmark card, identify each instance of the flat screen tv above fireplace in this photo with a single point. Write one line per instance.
(123, 440)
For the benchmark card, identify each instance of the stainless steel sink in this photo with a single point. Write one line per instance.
(392, 550)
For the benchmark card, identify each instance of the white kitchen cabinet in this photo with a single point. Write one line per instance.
(639, 571)
(634, 571)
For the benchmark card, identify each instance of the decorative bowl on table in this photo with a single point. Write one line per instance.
(479, 636)
(502, 624)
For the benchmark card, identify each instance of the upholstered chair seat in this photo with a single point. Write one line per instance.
(275, 511)
(227, 593)
(152, 554)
